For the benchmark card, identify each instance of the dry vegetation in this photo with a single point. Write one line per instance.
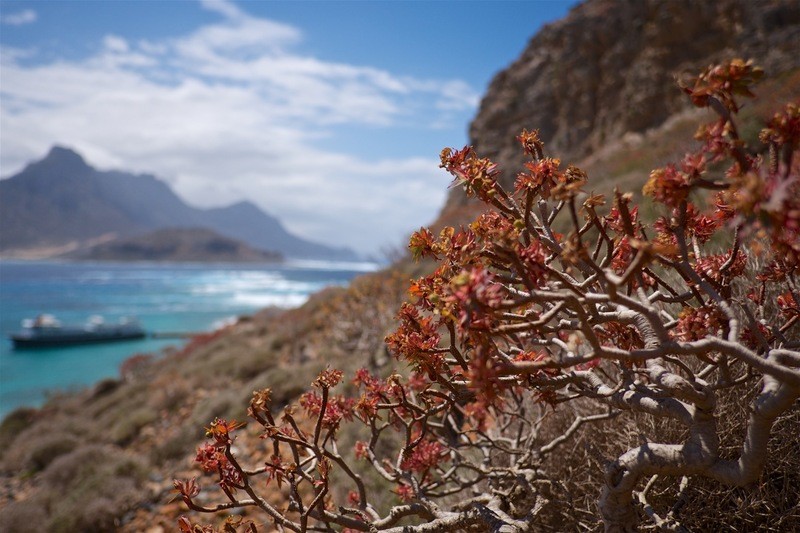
(104, 459)
(625, 373)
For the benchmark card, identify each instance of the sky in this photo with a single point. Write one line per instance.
(328, 115)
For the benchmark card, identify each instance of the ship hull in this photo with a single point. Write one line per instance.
(74, 338)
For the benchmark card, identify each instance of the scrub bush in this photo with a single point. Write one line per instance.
(572, 363)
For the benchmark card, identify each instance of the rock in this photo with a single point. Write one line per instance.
(608, 69)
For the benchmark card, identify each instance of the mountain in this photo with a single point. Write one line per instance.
(156, 412)
(62, 201)
(607, 71)
(246, 222)
(175, 245)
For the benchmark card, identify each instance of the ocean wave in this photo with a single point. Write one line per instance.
(223, 322)
(276, 284)
(163, 297)
(285, 301)
(318, 264)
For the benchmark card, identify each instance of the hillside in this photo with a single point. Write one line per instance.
(598, 85)
(175, 245)
(603, 77)
(61, 201)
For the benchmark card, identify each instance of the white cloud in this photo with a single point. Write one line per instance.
(231, 112)
(20, 18)
(114, 43)
(225, 8)
(457, 95)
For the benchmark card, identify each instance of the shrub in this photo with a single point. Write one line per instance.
(213, 406)
(73, 482)
(104, 387)
(47, 448)
(127, 427)
(13, 424)
(627, 344)
(177, 445)
(26, 516)
(36, 446)
(136, 366)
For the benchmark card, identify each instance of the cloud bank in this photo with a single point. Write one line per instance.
(232, 111)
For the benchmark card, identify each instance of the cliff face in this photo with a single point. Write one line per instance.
(603, 71)
(608, 68)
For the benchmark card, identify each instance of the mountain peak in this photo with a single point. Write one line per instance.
(65, 158)
(64, 161)
(244, 204)
(61, 198)
(244, 208)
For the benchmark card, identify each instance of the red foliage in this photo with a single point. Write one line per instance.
(135, 365)
(425, 455)
(518, 320)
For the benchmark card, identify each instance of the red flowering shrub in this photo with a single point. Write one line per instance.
(617, 317)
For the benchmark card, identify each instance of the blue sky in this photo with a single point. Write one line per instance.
(329, 115)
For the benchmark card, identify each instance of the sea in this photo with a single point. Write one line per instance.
(162, 297)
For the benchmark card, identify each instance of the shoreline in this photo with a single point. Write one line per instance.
(175, 347)
(201, 298)
(308, 264)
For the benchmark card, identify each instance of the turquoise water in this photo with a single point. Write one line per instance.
(162, 297)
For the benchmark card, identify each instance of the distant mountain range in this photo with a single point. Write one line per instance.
(176, 245)
(61, 202)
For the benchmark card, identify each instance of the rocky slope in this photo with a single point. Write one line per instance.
(103, 459)
(608, 69)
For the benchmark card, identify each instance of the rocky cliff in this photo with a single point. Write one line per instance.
(609, 68)
(605, 71)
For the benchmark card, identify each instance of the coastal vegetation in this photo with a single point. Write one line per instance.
(562, 328)
(212, 375)
(599, 86)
